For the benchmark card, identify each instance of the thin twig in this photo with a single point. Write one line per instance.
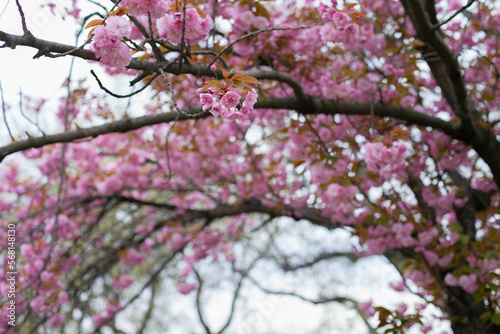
(150, 309)
(469, 3)
(183, 42)
(67, 53)
(24, 115)
(166, 146)
(5, 8)
(171, 93)
(23, 20)
(98, 4)
(321, 300)
(156, 50)
(371, 330)
(4, 113)
(198, 302)
(126, 95)
(253, 34)
(243, 276)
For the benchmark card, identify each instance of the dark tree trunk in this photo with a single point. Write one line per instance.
(465, 314)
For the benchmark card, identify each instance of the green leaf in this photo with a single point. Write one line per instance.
(466, 269)
(239, 84)
(464, 239)
(456, 228)
(496, 319)
(345, 182)
(490, 254)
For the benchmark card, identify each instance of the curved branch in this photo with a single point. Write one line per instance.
(45, 48)
(149, 312)
(482, 139)
(447, 73)
(123, 125)
(146, 85)
(286, 266)
(48, 48)
(198, 302)
(427, 32)
(469, 3)
(314, 106)
(320, 300)
(236, 294)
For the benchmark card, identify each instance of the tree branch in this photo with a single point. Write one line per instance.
(286, 266)
(316, 106)
(426, 31)
(198, 302)
(123, 125)
(482, 139)
(447, 73)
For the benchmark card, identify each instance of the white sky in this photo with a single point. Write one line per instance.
(36, 77)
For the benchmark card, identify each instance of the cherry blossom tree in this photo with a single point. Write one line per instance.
(378, 118)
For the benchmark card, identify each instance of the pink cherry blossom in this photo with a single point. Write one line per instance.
(207, 100)
(122, 281)
(399, 286)
(56, 320)
(218, 109)
(387, 161)
(196, 28)
(367, 308)
(341, 19)
(132, 257)
(107, 42)
(250, 100)
(118, 26)
(468, 283)
(230, 100)
(186, 288)
(155, 8)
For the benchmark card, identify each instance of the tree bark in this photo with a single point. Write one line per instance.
(466, 314)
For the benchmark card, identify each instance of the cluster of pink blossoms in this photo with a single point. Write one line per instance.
(467, 282)
(196, 28)
(156, 8)
(108, 42)
(108, 38)
(225, 104)
(387, 161)
(222, 99)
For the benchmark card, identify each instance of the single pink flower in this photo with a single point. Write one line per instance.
(56, 320)
(186, 288)
(122, 281)
(207, 100)
(341, 19)
(367, 308)
(250, 100)
(218, 109)
(118, 26)
(230, 99)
